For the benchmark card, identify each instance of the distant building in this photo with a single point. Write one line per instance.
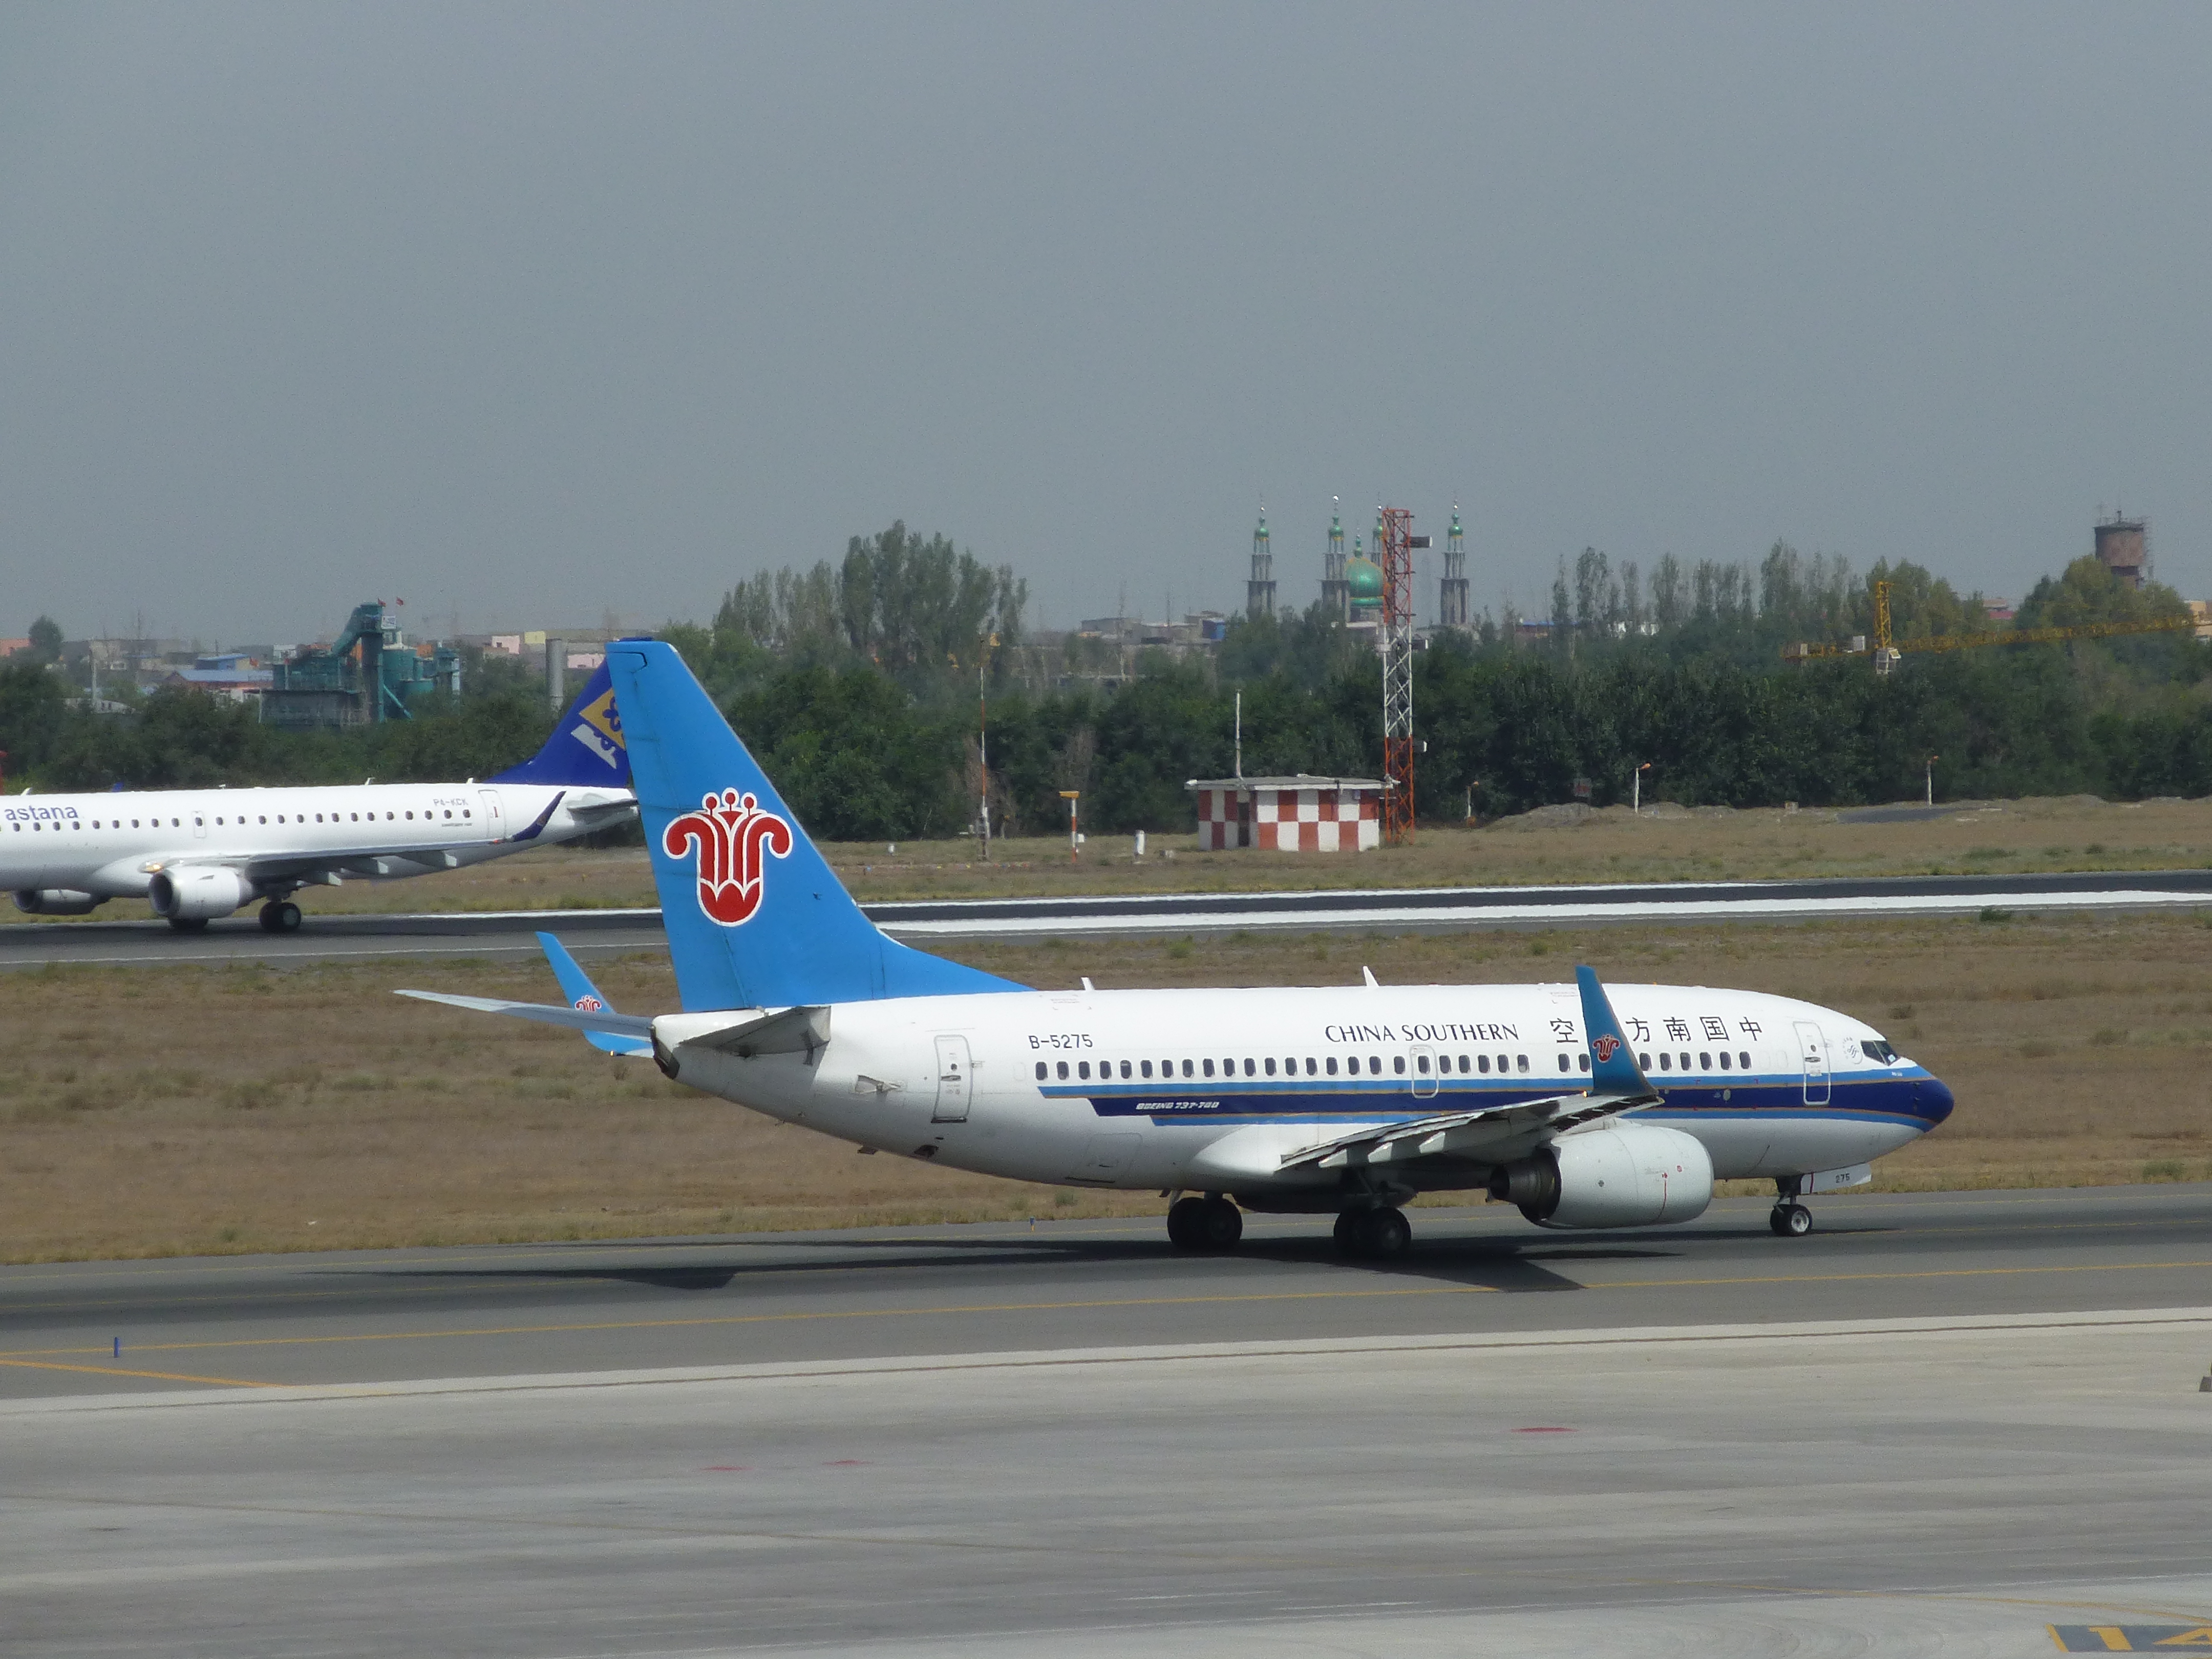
(1259, 590)
(2123, 548)
(231, 675)
(1335, 596)
(1300, 814)
(1452, 608)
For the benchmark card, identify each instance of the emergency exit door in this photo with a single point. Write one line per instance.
(953, 1069)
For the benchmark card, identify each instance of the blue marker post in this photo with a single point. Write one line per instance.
(119, 1348)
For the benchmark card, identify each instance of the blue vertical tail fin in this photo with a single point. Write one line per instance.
(584, 997)
(586, 750)
(1613, 1070)
(756, 917)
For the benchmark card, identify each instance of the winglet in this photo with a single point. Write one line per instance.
(1613, 1070)
(584, 997)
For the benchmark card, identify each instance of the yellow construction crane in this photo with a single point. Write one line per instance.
(1886, 650)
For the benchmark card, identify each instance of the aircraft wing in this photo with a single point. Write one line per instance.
(545, 1013)
(1455, 1132)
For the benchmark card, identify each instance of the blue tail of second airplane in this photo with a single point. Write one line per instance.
(756, 917)
(586, 750)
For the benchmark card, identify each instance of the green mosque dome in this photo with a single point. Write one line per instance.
(1364, 579)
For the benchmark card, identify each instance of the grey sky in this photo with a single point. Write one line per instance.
(530, 313)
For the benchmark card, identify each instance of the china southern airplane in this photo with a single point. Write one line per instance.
(197, 853)
(1583, 1109)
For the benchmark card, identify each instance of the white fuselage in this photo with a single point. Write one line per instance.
(1211, 1088)
(113, 845)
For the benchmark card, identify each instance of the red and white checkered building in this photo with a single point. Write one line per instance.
(1302, 814)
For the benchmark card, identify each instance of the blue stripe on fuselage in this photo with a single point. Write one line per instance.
(1900, 1097)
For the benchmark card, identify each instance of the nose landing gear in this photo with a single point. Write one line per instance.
(1212, 1222)
(1790, 1220)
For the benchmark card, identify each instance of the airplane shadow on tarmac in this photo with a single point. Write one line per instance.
(1488, 1263)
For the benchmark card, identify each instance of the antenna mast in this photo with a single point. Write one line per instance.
(1394, 542)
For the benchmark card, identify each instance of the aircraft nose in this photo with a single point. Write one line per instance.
(1931, 1096)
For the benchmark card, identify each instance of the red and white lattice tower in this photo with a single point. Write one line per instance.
(1394, 542)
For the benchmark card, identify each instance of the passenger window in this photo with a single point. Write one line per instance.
(1523, 1059)
(1209, 1068)
(1270, 1067)
(1061, 1066)
(1331, 1064)
(1040, 1071)
(1582, 1062)
(1685, 1062)
(1185, 1068)
(1483, 1062)
(1145, 1067)
(1083, 1069)
(1125, 1068)
(1666, 1062)
(1705, 1062)
(1398, 1064)
(1562, 1063)
(264, 817)
(1724, 1059)
(1644, 1060)
(1310, 1067)
(1375, 1066)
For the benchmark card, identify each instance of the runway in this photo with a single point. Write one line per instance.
(1940, 1425)
(148, 942)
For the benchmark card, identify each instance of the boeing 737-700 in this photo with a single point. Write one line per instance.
(197, 853)
(1585, 1108)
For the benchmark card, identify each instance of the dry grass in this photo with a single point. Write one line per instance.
(2074, 833)
(241, 1109)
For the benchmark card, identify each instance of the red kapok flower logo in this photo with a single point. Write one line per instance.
(729, 835)
(1605, 1047)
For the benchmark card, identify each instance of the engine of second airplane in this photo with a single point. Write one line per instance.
(56, 901)
(197, 893)
(1625, 1175)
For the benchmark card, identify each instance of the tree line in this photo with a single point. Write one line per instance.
(863, 687)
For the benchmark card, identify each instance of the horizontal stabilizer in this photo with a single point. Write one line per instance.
(575, 1019)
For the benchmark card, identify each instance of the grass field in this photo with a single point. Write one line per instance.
(193, 1110)
(1665, 844)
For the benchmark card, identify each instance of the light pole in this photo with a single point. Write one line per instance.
(1071, 796)
(1932, 759)
(1636, 795)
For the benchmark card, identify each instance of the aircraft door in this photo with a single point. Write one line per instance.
(494, 823)
(1813, 1050)
(199, 824)
(1425, 1072)
(952, 1068)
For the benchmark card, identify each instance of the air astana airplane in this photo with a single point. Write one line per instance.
(196, 854)
(1583, 1106)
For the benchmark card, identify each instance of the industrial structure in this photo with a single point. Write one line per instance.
(1394, 545)
(1300, 814)
(1260, 590)
(368, 675)
(2124, 548)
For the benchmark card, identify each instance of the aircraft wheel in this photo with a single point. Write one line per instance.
(1791, 1221)
(1348, 1232)
(1385, 1234)
(1221, 1223)
(280, 916)
(189, 924)
(1187, 1224)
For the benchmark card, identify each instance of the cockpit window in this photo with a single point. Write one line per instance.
(1879, 1050)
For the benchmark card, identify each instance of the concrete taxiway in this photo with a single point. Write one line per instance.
(147, 942)
(1940, 1424)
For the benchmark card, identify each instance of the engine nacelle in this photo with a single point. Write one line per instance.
(1627, 1175)
(57, 901)
(197, 893)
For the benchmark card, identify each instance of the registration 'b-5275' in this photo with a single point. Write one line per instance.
(1583, 1106)
(194, 854)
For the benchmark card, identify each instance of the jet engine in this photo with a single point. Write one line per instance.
(197, 893)
(57, 901)
(1627, 1175)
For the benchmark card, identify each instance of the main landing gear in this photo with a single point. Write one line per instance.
(1381, 1233)
(1212, 1222)
(280, 916)
(1790, 1220)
